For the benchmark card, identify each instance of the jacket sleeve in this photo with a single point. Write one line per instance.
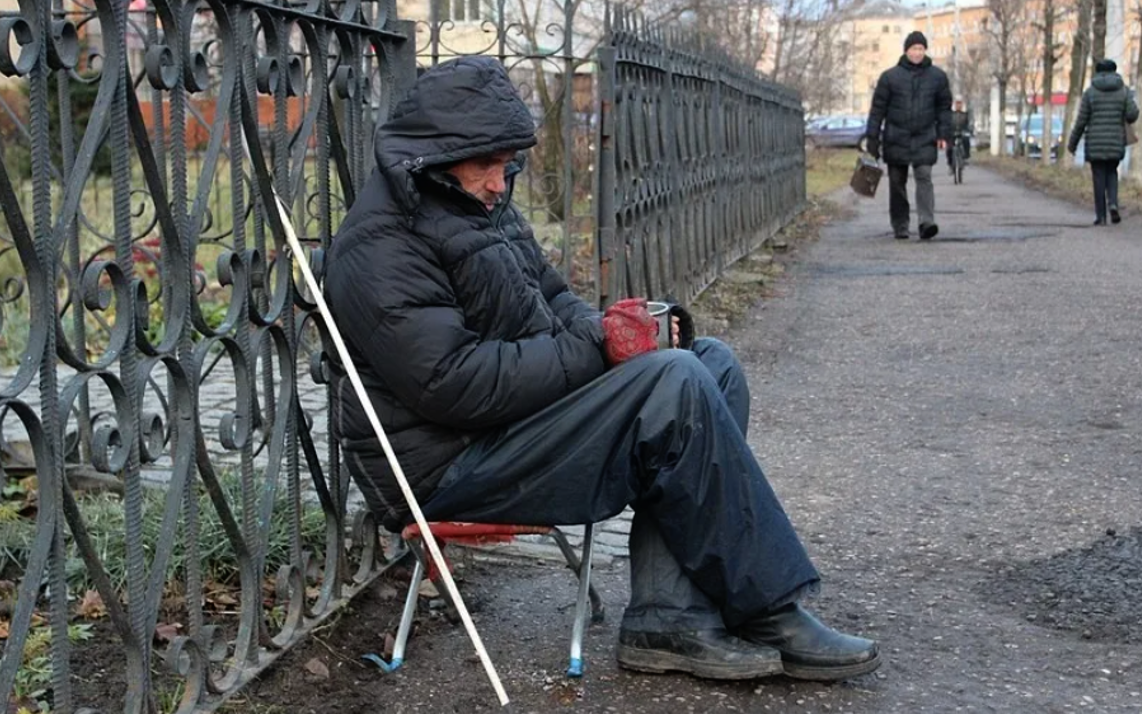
(944, 109)
(412, 331)
(879, 109)
(566, 305)
(1080, 124)
(1131, 109)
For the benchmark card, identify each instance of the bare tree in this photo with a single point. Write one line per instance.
(1080, 52)
(1052, 53)
(1136, 154)
(1008, 42)
(812, 49)
(1098, 27)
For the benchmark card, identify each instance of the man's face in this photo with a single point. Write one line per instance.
(959, 106)
(916, 53)
(483, 176)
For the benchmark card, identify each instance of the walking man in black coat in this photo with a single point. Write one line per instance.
(503, 397)
(909, 124)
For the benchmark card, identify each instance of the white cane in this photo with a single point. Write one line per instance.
(362, 395)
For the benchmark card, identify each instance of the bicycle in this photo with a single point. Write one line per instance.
(958, 159)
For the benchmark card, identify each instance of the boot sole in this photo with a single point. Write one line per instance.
(929, 233)
(659, 662)
(819, 673)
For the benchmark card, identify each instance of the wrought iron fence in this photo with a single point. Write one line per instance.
(705, 158)
(152, 332)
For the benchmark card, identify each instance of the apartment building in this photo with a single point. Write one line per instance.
(876, 30)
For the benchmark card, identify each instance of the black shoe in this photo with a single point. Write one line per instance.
(901, 236)
(712, 654)
(809, 649)
(1115, 216)
(1100, 221)
(928, 231)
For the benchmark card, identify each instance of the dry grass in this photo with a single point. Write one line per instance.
(1067, 182)
(827, 170)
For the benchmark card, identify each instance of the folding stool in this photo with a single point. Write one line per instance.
(486, 533)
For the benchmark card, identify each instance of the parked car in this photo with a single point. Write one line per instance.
(838, 131)
(1032, 133)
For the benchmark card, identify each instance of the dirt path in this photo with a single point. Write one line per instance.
(955, 428)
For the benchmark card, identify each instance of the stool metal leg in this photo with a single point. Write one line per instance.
(408, 614)
(598, 612)
(576, 667)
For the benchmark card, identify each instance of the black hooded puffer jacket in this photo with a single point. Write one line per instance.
(455, 320)
(912, 104)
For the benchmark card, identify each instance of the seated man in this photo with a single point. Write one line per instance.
(962, 131)
(493, 382)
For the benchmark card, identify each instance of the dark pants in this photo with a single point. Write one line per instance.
(898, 208)
(664, 433)
(966, 143)
(1105, 175)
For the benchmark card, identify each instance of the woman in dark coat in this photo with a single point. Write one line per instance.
(1107, 107)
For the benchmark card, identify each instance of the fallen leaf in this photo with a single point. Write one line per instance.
(427, 589)
(317, 668)
(313, 592)
(386, 591)
(167, 631)
(221, 598)
(390, 645)
(4, 629)
(91, 607)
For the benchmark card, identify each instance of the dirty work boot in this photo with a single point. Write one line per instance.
(928, 231)
(712, 654)
(1115, 216)
(809, 649)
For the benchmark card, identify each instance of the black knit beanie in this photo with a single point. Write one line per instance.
(1105, 65)
(915, 38)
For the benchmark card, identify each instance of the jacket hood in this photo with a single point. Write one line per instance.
(907, 63)
(457, 110)
(1108, 82)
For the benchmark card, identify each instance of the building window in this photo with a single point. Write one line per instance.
(897, 29)
(459, 10)
(876, 47)
(885, 29)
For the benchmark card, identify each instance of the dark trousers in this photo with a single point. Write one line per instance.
(898, 208)
(665, 433)
(1105, 176)
(952, 149)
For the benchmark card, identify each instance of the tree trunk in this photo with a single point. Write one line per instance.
(1047, 140)
(1098, 25)
(1079, 54)
(1002, 116)
(1135, 153)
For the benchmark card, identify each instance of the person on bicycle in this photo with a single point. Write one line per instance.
(962, 132)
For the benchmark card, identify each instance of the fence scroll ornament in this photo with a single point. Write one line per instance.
(157, 337)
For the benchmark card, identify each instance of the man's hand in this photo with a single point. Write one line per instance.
(871, 146)
(942, 144)
(628, 330)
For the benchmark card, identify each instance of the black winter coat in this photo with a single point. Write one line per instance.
(1106, 109)
(453, 317)
(911, 110)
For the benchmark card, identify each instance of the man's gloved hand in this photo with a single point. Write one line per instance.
(872, 146)
(628, 330)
